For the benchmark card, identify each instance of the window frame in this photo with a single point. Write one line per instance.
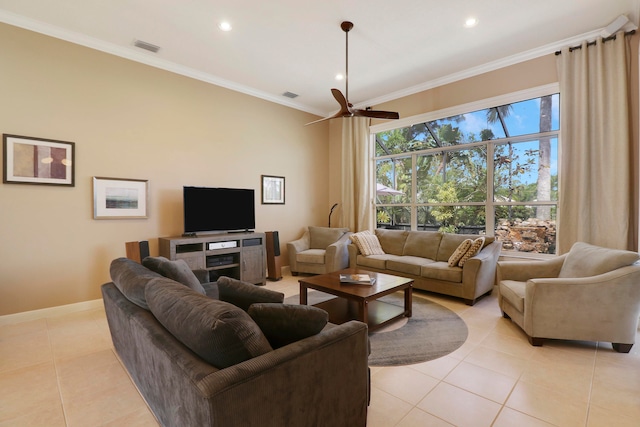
(490, 203)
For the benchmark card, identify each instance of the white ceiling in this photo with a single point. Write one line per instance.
(396, 47)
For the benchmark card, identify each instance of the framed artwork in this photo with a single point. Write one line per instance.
(116, 198)
(30, 160)
(272, 190)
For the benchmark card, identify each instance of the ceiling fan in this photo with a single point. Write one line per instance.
(346, 108)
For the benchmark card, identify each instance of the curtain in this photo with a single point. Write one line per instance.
(357, 175)
(595, 185)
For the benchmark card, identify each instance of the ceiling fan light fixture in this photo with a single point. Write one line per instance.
(339, 76)
(471, 22)
(225, 26)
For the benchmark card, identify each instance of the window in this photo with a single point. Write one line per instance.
(490, 171)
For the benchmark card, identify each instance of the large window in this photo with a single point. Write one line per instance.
(492, 171)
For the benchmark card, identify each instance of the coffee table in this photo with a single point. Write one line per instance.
(360, 302)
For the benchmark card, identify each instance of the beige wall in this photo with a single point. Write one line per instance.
(129, 120)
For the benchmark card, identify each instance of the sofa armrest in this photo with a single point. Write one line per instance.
(326, 373)
(297, 246)
(605, 307)
(353, 255)
(522, 271)
(337, 254)
(479, 271)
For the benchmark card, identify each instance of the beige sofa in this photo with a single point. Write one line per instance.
(589, 294)
(423, 255)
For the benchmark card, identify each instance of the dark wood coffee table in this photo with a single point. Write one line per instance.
(360, 302)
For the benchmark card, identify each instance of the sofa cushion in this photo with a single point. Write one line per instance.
(312, 256)
(373, 261)
(131, 278)
(243, 294)
(584, 260)
(407, 264)
(457, 255)
(321, 237)
(283, 324)
(514, 292)
(474, 249)
(367, 243)
(392, 241)
(177, 270)
(441, 271)
(220, 333)
(422, 244)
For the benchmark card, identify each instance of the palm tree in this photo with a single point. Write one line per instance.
(544, 161)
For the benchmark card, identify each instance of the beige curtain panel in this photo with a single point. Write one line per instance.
(357, 175)
(596, 179)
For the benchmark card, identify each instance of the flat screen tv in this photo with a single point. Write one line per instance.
(208, 209)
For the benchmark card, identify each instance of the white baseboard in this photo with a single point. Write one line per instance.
(26, 316)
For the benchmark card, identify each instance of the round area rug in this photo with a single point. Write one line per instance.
(431, 332)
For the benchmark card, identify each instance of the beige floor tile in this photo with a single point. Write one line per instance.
(509, 344)
(549, 405)
(465, 349)
(140, 418)
(27, 390)
(419, 418)
(621, 398)
(386, 410)
(497, 361)
(621, 374)
(25, 350)
(437, 368)
(481, 381)
(87, 339)
(510, 418)
(600, 417)
(22, 328)
(48, 414)
(404, 383)
(446, 402)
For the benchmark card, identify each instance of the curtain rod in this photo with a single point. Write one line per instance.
(606, 39)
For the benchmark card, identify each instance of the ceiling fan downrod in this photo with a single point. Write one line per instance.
(346, 27)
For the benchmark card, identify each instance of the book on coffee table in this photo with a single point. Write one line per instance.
(359, 279)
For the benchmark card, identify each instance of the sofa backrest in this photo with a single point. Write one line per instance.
(321, 237)
(392, 241)
(423, 244)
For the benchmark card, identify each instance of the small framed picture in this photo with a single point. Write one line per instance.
(116, 198)
(272, 190)
(30, 160)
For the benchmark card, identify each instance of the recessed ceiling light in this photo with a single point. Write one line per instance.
(471, 22)
(225, 26)
(339, 77)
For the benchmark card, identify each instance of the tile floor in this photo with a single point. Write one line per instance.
(62, 371)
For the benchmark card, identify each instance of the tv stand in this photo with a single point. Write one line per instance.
(240, 255)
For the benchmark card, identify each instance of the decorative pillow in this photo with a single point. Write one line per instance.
(177, 270)
(457, 255)
(321, 237)
(367, 243)
(473, 251)
(284, 323)
(131, 278)
(220, 333)
(584, 260)
(243, 294)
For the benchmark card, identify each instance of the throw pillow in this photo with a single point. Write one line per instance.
(243, 294)
(367, 243)
(321, 237)
(220, 333)
(284, 324)
(177, 270)
(473, 251)
(131, 278)
(457, 255)
(584, 260)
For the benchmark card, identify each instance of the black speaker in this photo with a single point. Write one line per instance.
(144, 249)
(274, 270)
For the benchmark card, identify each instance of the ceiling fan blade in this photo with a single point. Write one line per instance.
(338, 114)
(345, 111)
(377, 114)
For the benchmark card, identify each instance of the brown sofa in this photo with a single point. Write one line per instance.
(423, 255)
(169, 338)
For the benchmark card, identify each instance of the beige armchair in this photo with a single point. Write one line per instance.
(589, 294)
(320, 250)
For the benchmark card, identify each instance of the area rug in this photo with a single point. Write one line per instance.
(433, 331)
